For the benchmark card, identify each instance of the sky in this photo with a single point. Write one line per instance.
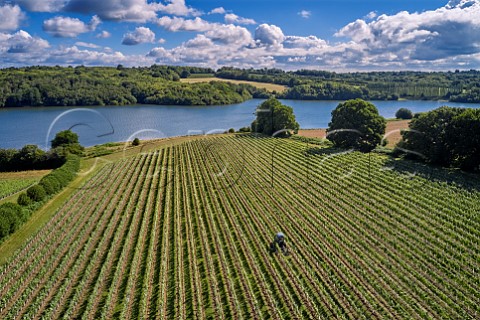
(335, 35)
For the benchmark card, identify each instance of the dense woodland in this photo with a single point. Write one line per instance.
(458, 86)
(82, 86)
(89, 86)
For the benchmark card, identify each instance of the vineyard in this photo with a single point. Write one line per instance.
(11, 186)
(183, 232)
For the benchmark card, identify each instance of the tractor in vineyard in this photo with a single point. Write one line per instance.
(280, 241)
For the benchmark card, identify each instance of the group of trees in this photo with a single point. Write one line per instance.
(81, 86)
(213, 93)
(30, 157)
(324, 91)
(65, 145)
(355, 123)
(445, 136)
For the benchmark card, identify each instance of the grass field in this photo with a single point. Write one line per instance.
(268, 86)
(182, 232)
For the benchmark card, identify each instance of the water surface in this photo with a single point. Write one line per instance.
(97, 125)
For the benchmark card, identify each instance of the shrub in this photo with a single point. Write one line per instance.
(11, 216)
(404, 113)
(24, 199)
(36, 193)
(4, 226)
(50, 184)
(136, 142)
(47, 186)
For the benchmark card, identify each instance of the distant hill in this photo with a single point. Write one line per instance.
(458, 86)
(82, 86)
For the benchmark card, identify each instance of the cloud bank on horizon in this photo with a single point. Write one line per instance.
(111, 32)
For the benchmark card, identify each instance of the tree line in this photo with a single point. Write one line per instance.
(82, 86)
(458, 86)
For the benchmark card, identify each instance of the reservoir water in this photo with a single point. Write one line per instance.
(97, 125)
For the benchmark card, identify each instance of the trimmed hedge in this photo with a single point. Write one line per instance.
(36, 193)
(12, 215)
(50, 184)
(24, 199)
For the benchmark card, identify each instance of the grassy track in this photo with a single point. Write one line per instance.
(182, 232)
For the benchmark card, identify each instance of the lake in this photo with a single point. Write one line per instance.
(97, 125)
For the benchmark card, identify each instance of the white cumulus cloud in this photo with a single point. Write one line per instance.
(21, 42)
(304, 14)
(66, 27)
(233, 18)
(230, 34)
(177, 7)
(10, 17)
(180, 24)
(371, 15)
(269, 34)
(447, 32)
(104, 34)
(42, 5)
(140, 35)
(86, 45)
(303, 42)
(219, 10)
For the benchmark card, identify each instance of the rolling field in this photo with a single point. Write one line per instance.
(262, 85)
(183, 232)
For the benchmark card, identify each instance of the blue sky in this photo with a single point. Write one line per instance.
(338, 35)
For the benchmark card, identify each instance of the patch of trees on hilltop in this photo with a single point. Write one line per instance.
(82, 86)
(458, 86)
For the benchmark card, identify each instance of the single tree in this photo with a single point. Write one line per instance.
(66, 142)
(272, 117)
(64, 138)
(356, 124)
(404, 113)
(136, 142)
(185, 74)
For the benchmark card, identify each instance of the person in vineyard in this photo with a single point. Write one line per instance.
(280, 241)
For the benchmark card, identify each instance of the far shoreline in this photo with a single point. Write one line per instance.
(230, 104)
